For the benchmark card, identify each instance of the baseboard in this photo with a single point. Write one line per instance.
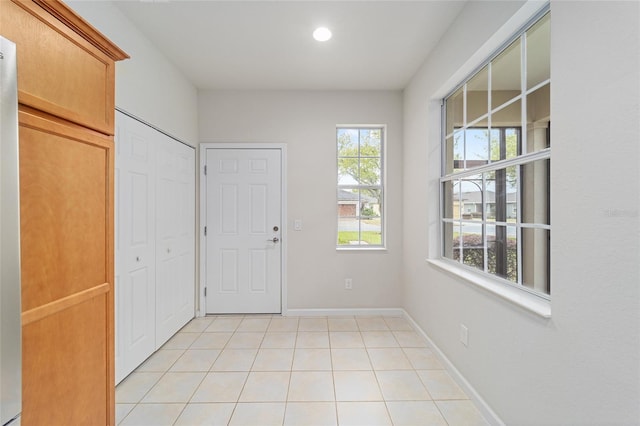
(480, 403)
(387, 312)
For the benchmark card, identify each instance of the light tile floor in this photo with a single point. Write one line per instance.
(272, 370)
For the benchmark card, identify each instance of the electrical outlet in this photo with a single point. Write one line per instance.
(464, 335)
(348, 284)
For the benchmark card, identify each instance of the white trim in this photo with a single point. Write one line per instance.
(383, 186)
(331, 312)
(361, 248)
(519, 296)
(543, 154)
(484, 408)
(529, 12)
(146, 123)
(283, 212)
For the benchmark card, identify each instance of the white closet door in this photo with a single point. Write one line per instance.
(135, 264)
(175, 231)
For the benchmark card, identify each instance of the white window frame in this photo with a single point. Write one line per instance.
(492, 282)
(382, 186)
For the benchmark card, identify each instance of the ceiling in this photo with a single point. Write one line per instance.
(267, 44)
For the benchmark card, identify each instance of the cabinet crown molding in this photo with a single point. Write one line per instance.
(87, 31)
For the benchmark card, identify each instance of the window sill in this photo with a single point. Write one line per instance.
(361, 248)
(523, 299)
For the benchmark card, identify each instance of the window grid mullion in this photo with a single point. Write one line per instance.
(485, 245)
(502, 164)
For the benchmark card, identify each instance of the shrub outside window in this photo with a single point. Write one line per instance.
(496, 154)
(360, 191)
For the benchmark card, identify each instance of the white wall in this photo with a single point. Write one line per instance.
(147, 85)
(306, 122)
(582, 366)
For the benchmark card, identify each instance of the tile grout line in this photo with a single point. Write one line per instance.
(295, 348)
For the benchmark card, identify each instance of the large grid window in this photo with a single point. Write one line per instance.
(360, 186)
(496, 164)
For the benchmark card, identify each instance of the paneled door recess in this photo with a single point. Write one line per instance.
(155, 240)
(243, 222)
(66, 75)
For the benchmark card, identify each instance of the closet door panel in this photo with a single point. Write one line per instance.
(135, 256)
(175, 283)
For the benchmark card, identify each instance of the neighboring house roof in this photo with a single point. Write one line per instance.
(346, 196)
(475, 197)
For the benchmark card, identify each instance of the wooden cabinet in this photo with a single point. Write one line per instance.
(66, 115)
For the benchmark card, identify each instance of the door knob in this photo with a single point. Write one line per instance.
(274, 240)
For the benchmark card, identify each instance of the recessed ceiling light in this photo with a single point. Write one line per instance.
(322, 34)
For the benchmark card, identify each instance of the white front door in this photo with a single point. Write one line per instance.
(244, 226)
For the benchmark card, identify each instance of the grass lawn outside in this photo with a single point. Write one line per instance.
(368, 237)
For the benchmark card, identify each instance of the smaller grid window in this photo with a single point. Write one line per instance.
(360, 192)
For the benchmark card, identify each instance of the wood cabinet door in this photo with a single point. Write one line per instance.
(60, 71)
(66, 213)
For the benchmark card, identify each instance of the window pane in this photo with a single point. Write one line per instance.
(538, 48)
(472, 245)
(538, 113)
(512, 193)
(535, 259)
(512, 142)
(454, 108)
(348, 203)
(370, 142)
(458, 151)
(348, 171)
(371, 202)
(505, 143)
(348, 231)
(448, 156)
(490, 196)
(502, 252)
(359, 217)
(359, 232)
(535, 194)
(471, 197)
(505, 75)
(450, 200)
(497, 142)
(347, 142)
(477, 95)
(477, 147)
(369, 171)
(348, 217)
(451, 240)
(509, 116)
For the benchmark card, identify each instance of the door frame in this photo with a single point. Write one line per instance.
(282, 147)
